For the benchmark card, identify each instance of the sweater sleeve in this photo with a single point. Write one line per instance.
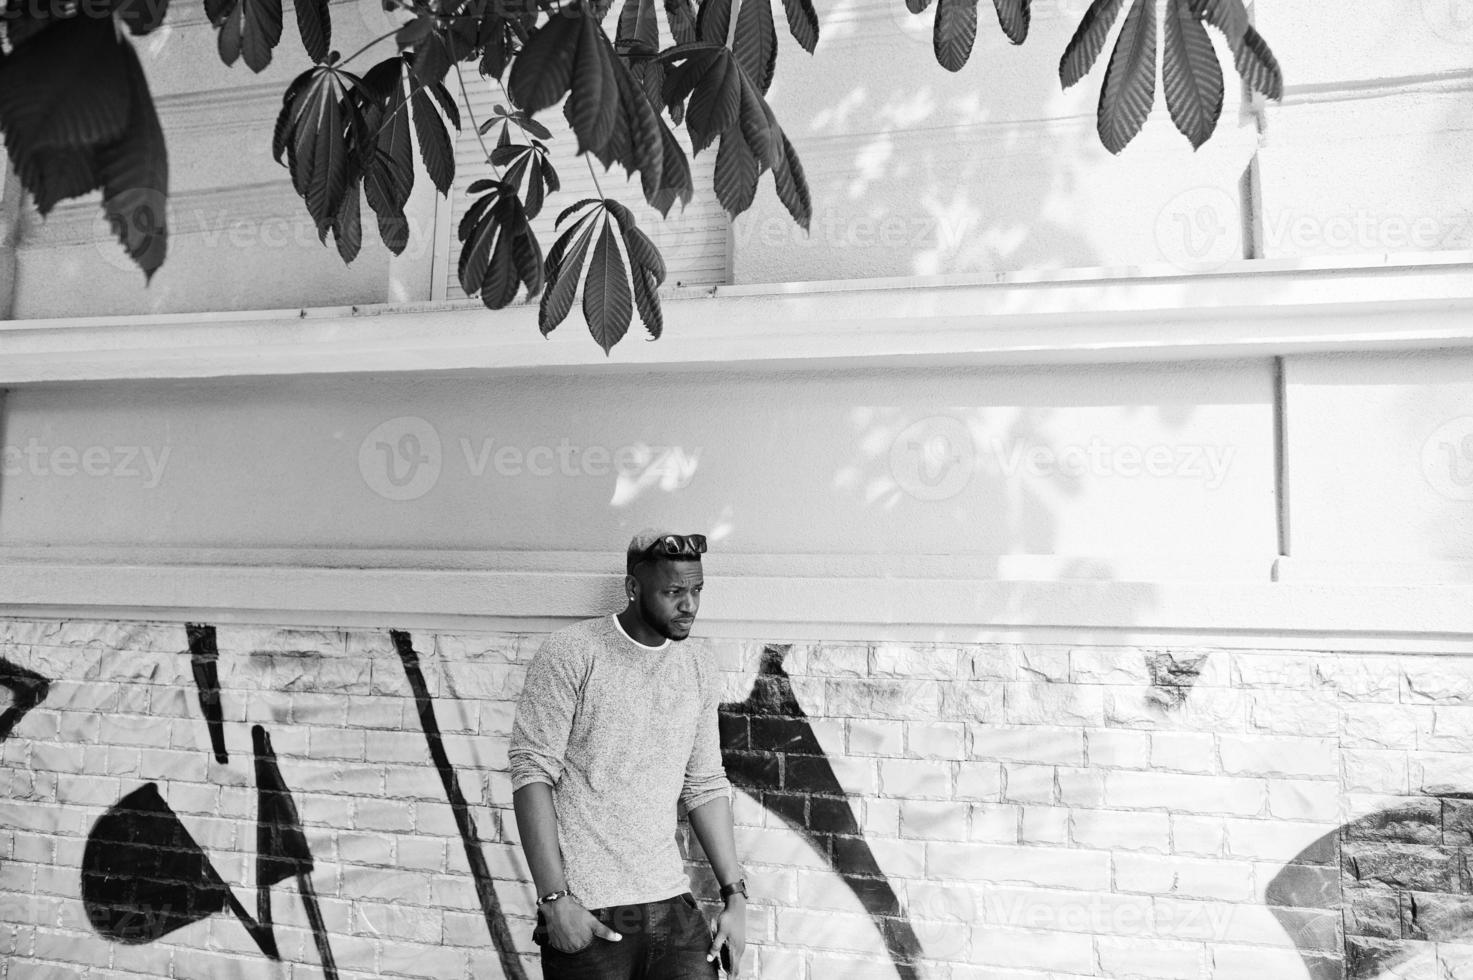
(705, 776)
(544, 714)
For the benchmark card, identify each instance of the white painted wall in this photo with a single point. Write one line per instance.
(1093, 463)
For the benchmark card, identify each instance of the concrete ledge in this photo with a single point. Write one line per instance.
(1245, 309)
(1314, 616)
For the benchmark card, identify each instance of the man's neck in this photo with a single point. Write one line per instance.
(637, 631)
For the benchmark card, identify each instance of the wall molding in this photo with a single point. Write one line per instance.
(1302, 615)
(1256, 308)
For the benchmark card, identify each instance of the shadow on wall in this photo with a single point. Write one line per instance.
(1405, 889)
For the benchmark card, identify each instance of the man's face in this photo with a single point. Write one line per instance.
(669, 596)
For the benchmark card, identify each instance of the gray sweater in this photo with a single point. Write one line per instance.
(622, 732)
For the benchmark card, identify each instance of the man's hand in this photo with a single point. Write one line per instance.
(571, 927)
(731, 930)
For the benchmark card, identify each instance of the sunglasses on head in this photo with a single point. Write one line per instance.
(676, 546)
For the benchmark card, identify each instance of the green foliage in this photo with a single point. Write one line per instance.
(344, 135)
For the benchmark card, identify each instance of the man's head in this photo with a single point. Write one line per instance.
(663, 580)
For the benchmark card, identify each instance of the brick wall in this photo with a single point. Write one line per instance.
(1007, 812)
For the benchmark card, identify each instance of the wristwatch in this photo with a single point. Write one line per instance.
(554, 896)
(740, 885)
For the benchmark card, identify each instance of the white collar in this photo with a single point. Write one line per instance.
(643, 646)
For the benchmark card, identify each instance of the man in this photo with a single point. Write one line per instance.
(616, 725)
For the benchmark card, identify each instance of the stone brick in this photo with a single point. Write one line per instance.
(1276, 755)
(1053, 704)
(840, 660)
(1304, 799)
(1457, 821)
(1437, 679)
(1359, 676)
(1372, 910)
(1185, 877)
(1045, 825)
(1117, 749)
(1439, 773)
(1059, 952)
(972, 701)
(1371, 959)
(1300, 885)
(1108, 665)
(1381, 726)
(1029, 743)
(935, 740)
(1410, 820)
(1276, 669)
(914, 779)
(995, 823)
(1187, 793)
(1046, 867)
(978, 781)
(1418, 867)
(868, 736)
(1143, 957)
(919, 660)
(994, 661)
(922, 820)
(1282, 841)
(1079, 786)
(1437, 917)
(1374, 771)
(1237, 962)
(1028, 784)
(1127, 830)
(1293, 713)
(899, 699)
(1184, 752)
(1444, 728)
(1043, 662)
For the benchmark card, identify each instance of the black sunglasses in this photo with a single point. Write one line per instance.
(676, 546)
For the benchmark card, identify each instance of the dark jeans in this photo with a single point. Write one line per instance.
(662, 941)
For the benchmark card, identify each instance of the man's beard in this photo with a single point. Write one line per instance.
(654, 623)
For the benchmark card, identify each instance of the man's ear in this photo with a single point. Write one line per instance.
(631, 588)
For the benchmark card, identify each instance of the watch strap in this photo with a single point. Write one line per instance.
(554, 896)
(740, 885)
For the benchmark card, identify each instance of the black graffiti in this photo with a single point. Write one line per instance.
(143, 875)
(281, 847)
(769, 750)
(506, 951)
(1403, 884)
(27, 689)
(203, 657)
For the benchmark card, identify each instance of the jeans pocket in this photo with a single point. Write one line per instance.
(690, 900)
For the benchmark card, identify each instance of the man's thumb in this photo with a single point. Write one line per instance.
(604, 932)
